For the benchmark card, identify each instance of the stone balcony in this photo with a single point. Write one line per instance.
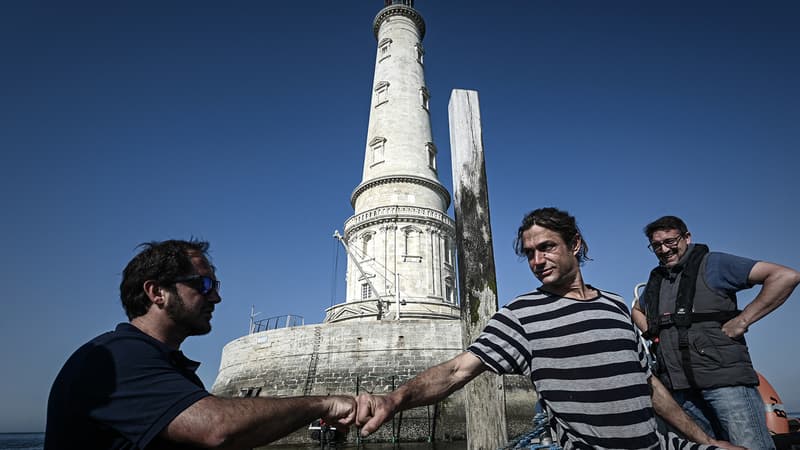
(395, 213)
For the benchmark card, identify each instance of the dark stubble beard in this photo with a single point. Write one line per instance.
(192, 325)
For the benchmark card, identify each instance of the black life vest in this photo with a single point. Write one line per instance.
(683, 315)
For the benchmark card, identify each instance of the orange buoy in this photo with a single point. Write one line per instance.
(776, 413)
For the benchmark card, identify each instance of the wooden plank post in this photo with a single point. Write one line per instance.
(485, 397)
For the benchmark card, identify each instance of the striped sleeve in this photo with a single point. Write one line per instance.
(501, 345)
(674, 442)
(644, 357)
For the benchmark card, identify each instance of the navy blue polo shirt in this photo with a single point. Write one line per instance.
(119, 391)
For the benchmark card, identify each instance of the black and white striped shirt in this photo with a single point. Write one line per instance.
(586, 362)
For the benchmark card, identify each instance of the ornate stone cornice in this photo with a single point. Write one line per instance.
(412, 309)
(430, 184)
(393, 214)
(398, 10)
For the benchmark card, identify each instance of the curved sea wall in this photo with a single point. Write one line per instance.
(355, 357)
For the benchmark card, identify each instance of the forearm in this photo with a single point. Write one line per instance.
(778, 286)
(234, 423)
(258, 421)
(428, 387)
(639, 317)
(437, 382)
(666, 407)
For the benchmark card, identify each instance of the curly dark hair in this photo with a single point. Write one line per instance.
(665, 223)
(560, 222)
(159, 261)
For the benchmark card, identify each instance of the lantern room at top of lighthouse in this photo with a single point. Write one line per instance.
(399, 2)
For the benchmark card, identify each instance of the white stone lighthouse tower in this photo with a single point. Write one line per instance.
(400, 239)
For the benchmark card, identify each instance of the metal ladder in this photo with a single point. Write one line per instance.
(312, 363)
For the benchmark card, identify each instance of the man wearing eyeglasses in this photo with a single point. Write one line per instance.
(577, 345)
(133, 388)
(689, 311)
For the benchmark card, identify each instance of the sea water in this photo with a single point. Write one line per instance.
(21, 441)
(35, 441)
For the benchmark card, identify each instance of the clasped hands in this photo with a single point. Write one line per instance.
(366, 411)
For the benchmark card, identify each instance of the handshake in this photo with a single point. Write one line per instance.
(369, 411)
(366, 411)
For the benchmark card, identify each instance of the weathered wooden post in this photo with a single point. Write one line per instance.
(485, 398)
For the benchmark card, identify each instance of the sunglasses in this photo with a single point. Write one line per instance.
(201, 283)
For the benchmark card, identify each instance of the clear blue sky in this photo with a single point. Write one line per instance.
(244, 123)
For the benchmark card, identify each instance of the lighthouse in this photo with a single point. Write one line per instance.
(400, 314)
(399, 240)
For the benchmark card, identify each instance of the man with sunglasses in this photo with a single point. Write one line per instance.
(133, 388)
(689, 311)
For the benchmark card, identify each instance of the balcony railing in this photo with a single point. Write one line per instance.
(399, 2)
(273, 323)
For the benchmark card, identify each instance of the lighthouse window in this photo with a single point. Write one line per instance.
(377, 147)
(448, 290)
(420, 53)
(425, 97)
(381, 93)
(367, 245)
(366, 291)
(412, 238)
(431, 155)
(383, 48)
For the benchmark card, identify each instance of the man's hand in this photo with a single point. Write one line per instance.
(341, 410)
(426, 388)
(726, 445)
(374, 411)
(735, 327)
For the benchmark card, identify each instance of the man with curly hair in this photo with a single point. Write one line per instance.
(576, 343)
(132, 388)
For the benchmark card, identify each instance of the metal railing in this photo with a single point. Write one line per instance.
(273, 323)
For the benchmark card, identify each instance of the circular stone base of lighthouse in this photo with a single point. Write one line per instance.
(357, 357)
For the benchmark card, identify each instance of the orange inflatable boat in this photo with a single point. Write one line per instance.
(777, 422)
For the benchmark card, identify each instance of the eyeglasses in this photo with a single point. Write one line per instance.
(669, 243)
(201, 283)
